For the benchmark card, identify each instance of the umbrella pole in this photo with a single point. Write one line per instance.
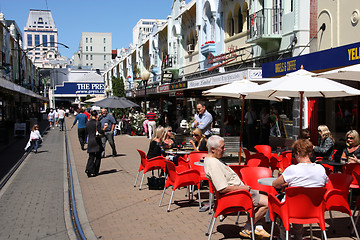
(241, 126)
(301, 111)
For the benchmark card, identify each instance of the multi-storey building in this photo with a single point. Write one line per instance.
(144, 27)
(95, 50)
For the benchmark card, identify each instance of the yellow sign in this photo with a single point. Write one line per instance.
(354, 54)
(285, 66)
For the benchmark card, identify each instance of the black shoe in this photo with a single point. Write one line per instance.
(114, 154)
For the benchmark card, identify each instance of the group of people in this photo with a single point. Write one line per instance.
(56, 118)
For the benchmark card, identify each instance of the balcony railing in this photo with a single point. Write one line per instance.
(265, 23)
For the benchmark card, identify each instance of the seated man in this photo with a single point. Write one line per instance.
(226, 180)
(304, 174)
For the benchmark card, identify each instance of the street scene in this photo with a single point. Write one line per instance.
(195, 119)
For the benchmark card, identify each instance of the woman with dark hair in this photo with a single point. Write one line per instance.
(35, 138)
(304, 134)
(94, 132)
(326, 146)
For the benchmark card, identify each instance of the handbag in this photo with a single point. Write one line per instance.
(99, 135)
(156, 183)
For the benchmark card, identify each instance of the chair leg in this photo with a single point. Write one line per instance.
(354, 225)
(142, 180)
(324, 233)
(199, 198)
(137, 175)
(162, 196)
(311, 232)
(332, 222)
(272, 230)
(211, 219)
(211, 196)
(252, 228)
(212, 227)
(287, 235)
(172, 195)
(237, 218)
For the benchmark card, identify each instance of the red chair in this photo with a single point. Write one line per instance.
(264, 149)
(149, 165)
(234, 201)
(285, 160)
(183, 163)
(327, 166)
(357, 177)
(260, 161)
(302, 206)
(237, 168)
(275, 161)
(248, 155)
(195, 157)
(180, 179)
(251, 175)
(336, 197)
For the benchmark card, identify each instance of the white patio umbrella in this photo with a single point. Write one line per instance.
(304, 84)
(242, 89)
(350, 73)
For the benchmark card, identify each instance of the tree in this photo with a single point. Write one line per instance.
(118, 86)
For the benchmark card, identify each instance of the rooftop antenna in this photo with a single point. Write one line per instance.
(47, 8)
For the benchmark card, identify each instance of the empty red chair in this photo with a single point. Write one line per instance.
(196, 156)
(264, 149)
(180, 179)
(183, 163)
(234, 201)
(336, 197)
(302, 206)
(248, 155)
(327, 166)
(251, 175)
(357, 177)
(237, 168)
(149, 165)
(260, 161)
(285, 160)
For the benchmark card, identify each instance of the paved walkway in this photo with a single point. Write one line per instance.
(32, 202)
(117, 210)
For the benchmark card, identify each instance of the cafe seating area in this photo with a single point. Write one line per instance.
(258, 170)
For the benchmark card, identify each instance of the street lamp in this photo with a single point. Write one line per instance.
(145, 75)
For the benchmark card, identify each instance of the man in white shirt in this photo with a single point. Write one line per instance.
(51, 117)
(226, 180)
(61, 118)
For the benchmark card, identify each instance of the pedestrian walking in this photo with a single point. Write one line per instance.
(35, 139)
(151, 117)
(56, 117)
(81, 118)
(108, 125)
(95, 133)
(61, 118)
(51, 117)
(203, 119)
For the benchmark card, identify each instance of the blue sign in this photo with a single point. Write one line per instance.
(84, 88)
(315, 62)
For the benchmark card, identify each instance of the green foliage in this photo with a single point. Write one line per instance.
(118, 91)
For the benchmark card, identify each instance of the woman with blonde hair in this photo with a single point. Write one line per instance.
(156, 148)
(200, 140)
(169, 141)
(326, 146)
(352, 152)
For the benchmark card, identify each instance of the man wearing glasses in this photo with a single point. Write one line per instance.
(203, 119)
(107, 125)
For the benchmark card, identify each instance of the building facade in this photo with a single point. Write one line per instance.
(144, 27)
(95, 51)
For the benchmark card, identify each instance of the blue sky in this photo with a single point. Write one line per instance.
(75, 16)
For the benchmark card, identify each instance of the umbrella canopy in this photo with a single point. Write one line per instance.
(304, 84)
(350, 73)
(115, 102)
(95, 99)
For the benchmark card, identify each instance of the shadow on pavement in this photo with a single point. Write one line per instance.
(109, 171)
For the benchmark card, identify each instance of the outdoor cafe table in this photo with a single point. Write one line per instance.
(337, 165)
(179, 152)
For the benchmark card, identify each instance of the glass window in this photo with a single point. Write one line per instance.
(104, 40)
(44, 40)
(29, 40)
(37, 39)
(90, 48)
(87, 57)
(86, 40)
(90, 57)
(87, 49)
(104, 57)
(52, 41)
(90, 40)
(104, 49)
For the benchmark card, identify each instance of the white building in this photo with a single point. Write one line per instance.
(40, 40)
(94, 50)
(145, 27)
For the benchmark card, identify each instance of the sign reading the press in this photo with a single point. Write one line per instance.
(83, 88)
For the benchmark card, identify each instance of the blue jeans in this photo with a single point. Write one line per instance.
(35, 143)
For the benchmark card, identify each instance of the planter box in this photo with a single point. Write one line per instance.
(208, 48)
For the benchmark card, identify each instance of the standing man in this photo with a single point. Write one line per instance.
(151, 117)
(51, 117)
(82, 119)
(108, 125)
(203, 119)
(250, 122)
(61, 118)
(226, 180)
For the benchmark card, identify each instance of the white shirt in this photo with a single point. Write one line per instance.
(305, 175)
(56, 114)
(61, 114)
(51, 115)
(35, 135)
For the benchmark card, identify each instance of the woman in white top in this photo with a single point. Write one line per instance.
(35, 138)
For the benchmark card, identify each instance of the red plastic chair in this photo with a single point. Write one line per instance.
(180, 179)
(234, 201)
(149, 165)
(251, 175)
(183, 163)
(336, 197)
(237, 168)
(302, 206)
(264, 149)
(195, 157)
(260, 161)
(327, 166)
(285, 160)
(248, 155)
(357, 177)
(350, 169)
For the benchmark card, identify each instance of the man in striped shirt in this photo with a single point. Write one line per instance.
(151, 117)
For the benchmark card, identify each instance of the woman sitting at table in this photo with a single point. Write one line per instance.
(156, 148)
(200, 140)
(326, 146)
(169, 141)
(352, 152)
(304, 174)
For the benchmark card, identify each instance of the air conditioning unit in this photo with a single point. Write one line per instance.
(190, 48)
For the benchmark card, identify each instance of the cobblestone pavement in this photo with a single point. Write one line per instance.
(32, 202)
(117, 210)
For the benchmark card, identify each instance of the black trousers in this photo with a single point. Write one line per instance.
(82, 137)
(61, 122)
(93, 164)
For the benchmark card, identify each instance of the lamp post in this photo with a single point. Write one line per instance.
(145, 75)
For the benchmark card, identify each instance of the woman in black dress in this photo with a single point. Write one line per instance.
(200, 140)
(94, 132)
(156, 144)
(326, 146)
(352, 152)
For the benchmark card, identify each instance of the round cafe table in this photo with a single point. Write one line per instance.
(199, 163)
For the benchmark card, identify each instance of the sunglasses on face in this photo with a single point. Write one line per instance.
(195, 135)
(169, 130)
(350, 137)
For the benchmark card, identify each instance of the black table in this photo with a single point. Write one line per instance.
(337, 165)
